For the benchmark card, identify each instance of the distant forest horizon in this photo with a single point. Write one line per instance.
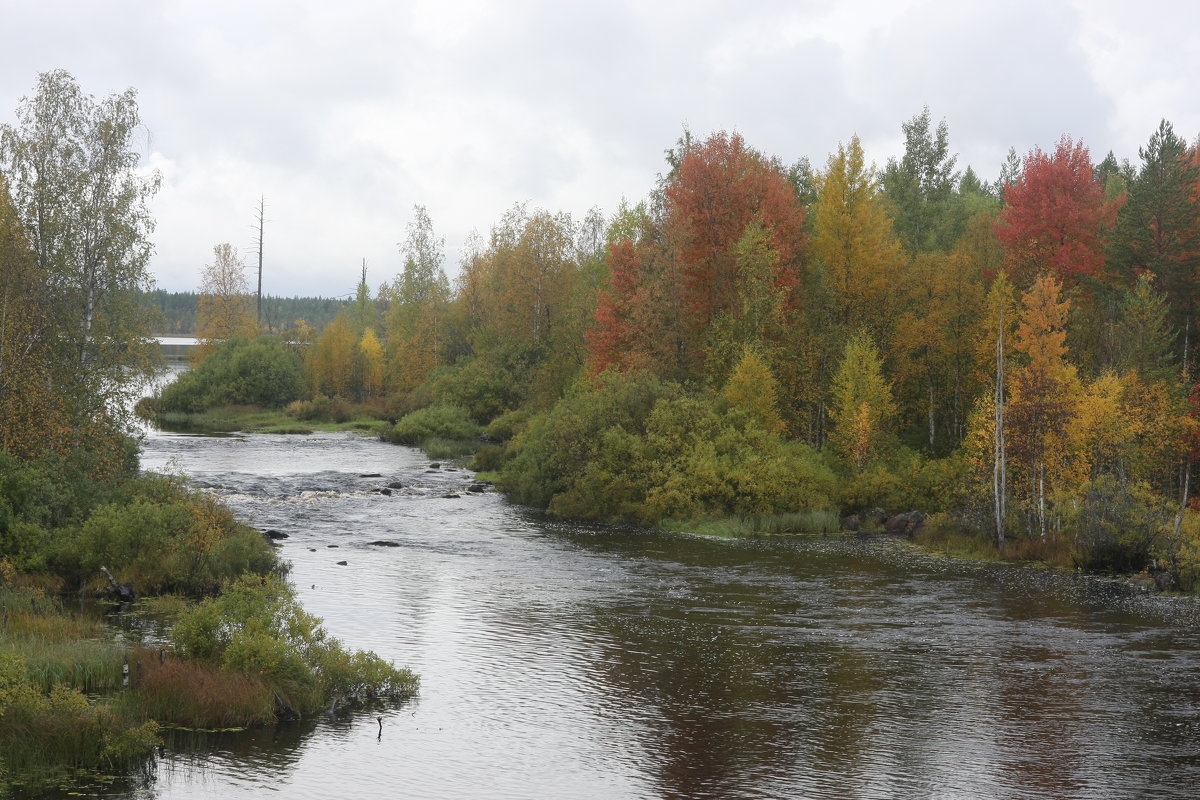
(280, 314)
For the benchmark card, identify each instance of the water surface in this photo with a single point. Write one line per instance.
(571, 661)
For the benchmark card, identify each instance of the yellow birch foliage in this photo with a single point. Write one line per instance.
(371, 355)
(331, 366)
(33, 417)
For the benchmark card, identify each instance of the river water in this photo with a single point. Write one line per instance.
(563, 660)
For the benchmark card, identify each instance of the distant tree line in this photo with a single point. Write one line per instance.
(280, 314)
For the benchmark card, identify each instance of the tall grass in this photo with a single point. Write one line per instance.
(195, 695)
(810, 521)
(89, 665)
(446, 449)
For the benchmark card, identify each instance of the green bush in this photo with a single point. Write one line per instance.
(906, 481)
(257, 627)
(166, 540)
(263, 371)
(628, 447)
(507, 425)
(1116, 525)
(557, 445)
(441, 421)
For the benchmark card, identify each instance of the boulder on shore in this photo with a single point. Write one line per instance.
(905, 524)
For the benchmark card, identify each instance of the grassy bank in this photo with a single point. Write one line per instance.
(238, 649)
(255, 419)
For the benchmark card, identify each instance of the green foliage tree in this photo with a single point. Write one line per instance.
(418, 299)
(1158, 228)
(72, 170)
(921, 185)
(752, 388)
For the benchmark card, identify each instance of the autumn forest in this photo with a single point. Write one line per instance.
(770, 346)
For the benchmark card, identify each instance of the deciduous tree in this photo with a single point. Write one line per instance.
(72, 169)
(225, 309)
(1056, 218)
(854, 241)
(861, 407)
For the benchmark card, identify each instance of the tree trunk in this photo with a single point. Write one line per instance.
(999, 471)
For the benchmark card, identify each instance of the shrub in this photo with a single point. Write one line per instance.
(181, 541)
(507, 425)
(558, 444)
(630, 448)
(321, 409)
(1116, 524)
(257, 627)
(263, 371)
(441, 421)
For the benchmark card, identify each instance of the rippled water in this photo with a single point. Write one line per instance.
(571, 661)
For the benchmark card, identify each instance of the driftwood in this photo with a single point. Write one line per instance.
(122, 591)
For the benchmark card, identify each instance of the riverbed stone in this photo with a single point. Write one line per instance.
(1165, 580)
(905, 524)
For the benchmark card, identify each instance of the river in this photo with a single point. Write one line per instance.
(563, 660)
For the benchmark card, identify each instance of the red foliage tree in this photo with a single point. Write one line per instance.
(718, 188)
(666, 289)
(610, 341)
(1056, 218)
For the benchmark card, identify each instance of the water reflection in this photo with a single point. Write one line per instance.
(575, 661)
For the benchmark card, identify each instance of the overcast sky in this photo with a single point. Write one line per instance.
(345, 114)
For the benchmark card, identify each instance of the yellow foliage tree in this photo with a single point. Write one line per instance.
(753, 388)
(854, 241)
(861, 407)
(32, 416)
(1042, 400)
(371, 355)
(332, 362)
(226, 307)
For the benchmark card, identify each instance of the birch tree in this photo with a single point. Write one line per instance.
(73, 173)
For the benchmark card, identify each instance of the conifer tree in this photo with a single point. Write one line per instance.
(861, 406)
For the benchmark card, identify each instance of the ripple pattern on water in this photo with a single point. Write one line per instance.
(574, 661)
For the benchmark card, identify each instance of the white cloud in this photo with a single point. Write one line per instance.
(345, 115)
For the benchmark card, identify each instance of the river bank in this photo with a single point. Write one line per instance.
(442, 437)
(232, 646)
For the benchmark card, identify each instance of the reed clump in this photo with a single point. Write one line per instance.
(196, 695)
